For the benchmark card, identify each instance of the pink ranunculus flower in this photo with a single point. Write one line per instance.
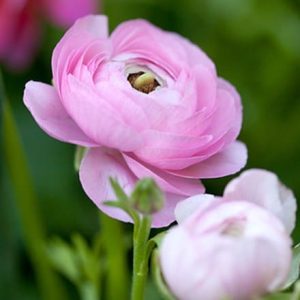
(20, 25)
(147, 103)
(225, 250)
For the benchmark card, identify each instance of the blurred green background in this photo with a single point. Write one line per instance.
(255, 45)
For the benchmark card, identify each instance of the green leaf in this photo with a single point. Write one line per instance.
(295, 268)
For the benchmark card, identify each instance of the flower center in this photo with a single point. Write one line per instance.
(234, 228)
(144, 82)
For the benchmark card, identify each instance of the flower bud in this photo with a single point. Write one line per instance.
(147, 198)
(232, 250)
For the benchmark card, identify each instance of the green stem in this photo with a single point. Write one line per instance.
(88, 291)
(140, 258)
(115, 252)
(26, 200)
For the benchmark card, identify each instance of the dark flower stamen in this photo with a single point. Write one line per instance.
(144, 82)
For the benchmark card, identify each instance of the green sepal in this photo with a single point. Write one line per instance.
(79, 154)
(158, 278)
(295, 268)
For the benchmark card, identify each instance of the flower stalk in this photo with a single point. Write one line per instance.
(140, 257)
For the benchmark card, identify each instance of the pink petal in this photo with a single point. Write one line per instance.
(229, 161)
(101, 163)
(65, 12)
(45, 106)
(167, 182)
(82, 33)
(264, 188)
(139, 39)
(166, 216)
(97, 166)
(96, 118)
(184, 209)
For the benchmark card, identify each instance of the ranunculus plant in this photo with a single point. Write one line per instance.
(146, 103)
(151, 118)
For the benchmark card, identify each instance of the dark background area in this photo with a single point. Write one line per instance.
(255, 45)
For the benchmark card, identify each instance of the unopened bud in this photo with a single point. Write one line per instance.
(147, 198)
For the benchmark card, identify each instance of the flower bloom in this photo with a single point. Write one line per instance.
(20, 26)
(147, 103)
(226, 250)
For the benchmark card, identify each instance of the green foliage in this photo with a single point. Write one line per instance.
(79, 263)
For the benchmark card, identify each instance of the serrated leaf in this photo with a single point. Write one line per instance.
(295, 268)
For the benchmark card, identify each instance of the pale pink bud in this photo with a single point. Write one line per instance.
(227, 250)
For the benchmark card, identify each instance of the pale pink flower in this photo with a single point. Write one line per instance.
(147, 103)
(20, 28)
(225, 250)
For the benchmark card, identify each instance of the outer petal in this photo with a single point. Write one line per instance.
(167, 182)
(65, 12)
(45, 106)
(85, 31)
(101, 163)
(187, 207)
(97, 119)
(140, 39)
(226, 162)
(97, 166)
(264, 188)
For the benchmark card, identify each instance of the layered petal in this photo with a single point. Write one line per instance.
(44, 104)
(167, 182)
(97, 119)
(138, 39)
(231, 160)
(85, 31)
(98, 165)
